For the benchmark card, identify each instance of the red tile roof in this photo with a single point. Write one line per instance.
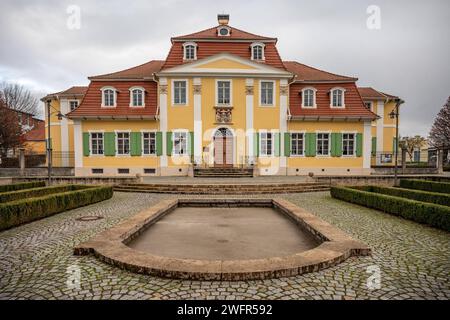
(72, 91)
(211, 34)
(37, 133)
(307, 73)
(371, 93)
(143, 71)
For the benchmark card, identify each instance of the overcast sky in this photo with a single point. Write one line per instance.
(408, 56)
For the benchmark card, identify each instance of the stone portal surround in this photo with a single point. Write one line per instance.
(110, 246)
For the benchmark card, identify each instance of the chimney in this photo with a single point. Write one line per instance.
(223, 19)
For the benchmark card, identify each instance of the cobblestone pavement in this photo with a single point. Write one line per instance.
(36, 259)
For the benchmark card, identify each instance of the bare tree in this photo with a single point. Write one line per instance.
(412, 143)
(17, 97)
(10, 131)
(440, 132)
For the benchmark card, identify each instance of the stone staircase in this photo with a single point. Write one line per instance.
(223, 172)
(244, 189)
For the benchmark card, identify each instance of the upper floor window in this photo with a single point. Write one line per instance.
(337, 98)
(179, 92)
(323, 144)
(223, 92)
(267, 88)
(108, 97)
(123, 143)
(137, 95)
(368, 105)
(97, 143)
(190, 51)
(73, 104)
(257, 51)
(308, 98)
(266, 145)
(223, 31)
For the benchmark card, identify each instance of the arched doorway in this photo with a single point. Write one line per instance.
(223, 148)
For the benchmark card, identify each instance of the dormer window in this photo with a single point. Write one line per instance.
(223, 31)
(137, 97)
(309, 98)
(109, 97)
(258, 51)
(337, 98)
(190, 51)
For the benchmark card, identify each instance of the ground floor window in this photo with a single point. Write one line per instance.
(123, 143)
(297, 144)
(180, 143)
(266, 143)
(323, 144)
(97, 143)
(149, 143)
(348, 144)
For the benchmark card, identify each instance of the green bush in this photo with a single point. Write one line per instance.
(432, 214)
(432, 186)
(419, 195)
(38, 192)
(26, 210)
(21, 186)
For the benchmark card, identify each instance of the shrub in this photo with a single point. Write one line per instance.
(432, 214)
(419, 195)
(21, 186)
(26, 210)
(37, 192)
(433, 186)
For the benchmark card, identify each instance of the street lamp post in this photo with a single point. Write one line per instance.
(395, 113)
(49, 147)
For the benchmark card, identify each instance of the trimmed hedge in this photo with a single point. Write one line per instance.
(419, 195)
(432, 214)
(38, 192)
(432, 186)
(21, 186)
(26, 210)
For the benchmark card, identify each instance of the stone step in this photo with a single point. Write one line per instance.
(209, 191)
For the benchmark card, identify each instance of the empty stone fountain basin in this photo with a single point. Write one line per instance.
(223, 239)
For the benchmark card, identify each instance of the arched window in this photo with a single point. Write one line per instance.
(309, 98)
(109, 97)
(337, 98)
(190, 51)
(137, 97)
(258, 51)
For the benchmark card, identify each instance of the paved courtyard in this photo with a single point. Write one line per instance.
(36, 260)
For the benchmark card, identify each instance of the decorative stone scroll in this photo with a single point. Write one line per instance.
(162, 89)
(197, 89)
(283, 90)
(223, 115)
(249, 90)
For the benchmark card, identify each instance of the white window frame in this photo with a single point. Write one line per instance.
(274, 88)
(73, 100)
(329, 144)
(263, 47)
(142, 143)
(217, 92)
(173, 92)
(354, 144)
(272, 149)
(90, 143)
(186, 134)
(185, 45)
(314, 90)
(343, 98)
(131, 97)
(114, 96)
(303, 133)
(117, 143)
(224, 27)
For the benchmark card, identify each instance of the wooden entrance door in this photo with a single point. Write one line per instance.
(223, 148)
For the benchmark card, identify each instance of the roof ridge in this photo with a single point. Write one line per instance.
(217, 26)
(128, 69)
(331, 73)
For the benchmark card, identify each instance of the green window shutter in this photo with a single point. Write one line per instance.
(334, 144)
(136, 144)
(337, 144)
(159, 143)
(169, 143)
(287, 144)
(359, 144)
(86, 146)
(374, 146)
(191, 143)
(310, 144)
(256, 144)
(110, 144)
(276, 143)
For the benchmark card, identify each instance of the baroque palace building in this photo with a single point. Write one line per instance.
(222, 98)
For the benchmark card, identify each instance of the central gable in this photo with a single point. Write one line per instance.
(225, 64)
